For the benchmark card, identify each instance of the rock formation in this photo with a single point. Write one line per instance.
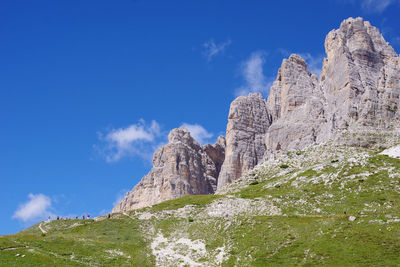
(180, 168)
(297, 106)
(360, 77)
(357, 91)
(248, 122)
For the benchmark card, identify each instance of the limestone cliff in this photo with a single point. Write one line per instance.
(360, 78)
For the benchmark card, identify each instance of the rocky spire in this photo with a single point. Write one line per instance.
(248, 122)
(293, 86)
(182, 167)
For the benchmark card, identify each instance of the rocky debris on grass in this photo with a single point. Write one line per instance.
(240, 206)
(219, 208)
(116, 252)
(174, 251)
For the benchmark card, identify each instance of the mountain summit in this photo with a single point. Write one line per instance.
(355, 101)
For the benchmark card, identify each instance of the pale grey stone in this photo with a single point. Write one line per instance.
(248, 122)
(180, 168)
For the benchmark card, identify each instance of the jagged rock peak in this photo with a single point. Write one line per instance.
(356, 34)
(182, 134)
(298, 60)
(180, 168)
(293, 86)
(221, 142)
(360, 77)
(296, 106)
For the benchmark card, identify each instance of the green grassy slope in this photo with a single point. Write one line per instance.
(287, 212)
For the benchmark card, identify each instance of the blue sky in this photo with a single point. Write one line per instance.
(88, 89)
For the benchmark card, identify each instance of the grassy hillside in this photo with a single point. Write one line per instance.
(325, 206)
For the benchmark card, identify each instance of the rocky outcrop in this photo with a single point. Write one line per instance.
(358, 92)
(360, 78)
(357, 95)
(296, 104)
(248, 121)
(180, 168)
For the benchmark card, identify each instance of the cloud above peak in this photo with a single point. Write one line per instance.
(36, 208)
(314, 62)
(135, 139)
(376, 6)
(253, 75)
(373, 6)
(198, 132)
(211, 49)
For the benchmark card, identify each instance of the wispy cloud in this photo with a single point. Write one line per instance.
(252, 72)
(391, 34)
(314, 62)
(376, 6)
(38, 207)
(212, 49)
(138, 139)
(198, 132)
(372, 6)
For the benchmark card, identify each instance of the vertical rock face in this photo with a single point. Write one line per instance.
(180, 168)
(248, 121)
(358, 90)
(296, 105)
(360, 77)
(293, 86)
(217, 153)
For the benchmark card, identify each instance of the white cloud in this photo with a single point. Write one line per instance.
(376, 6)
(136, 139)
(314, 62)
(36, 208)
(212, 49)
(252, 71)
(198, 132)
(372, 6)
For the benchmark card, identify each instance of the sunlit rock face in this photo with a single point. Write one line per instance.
(296, 103)
(248, 121)
(360, 78)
